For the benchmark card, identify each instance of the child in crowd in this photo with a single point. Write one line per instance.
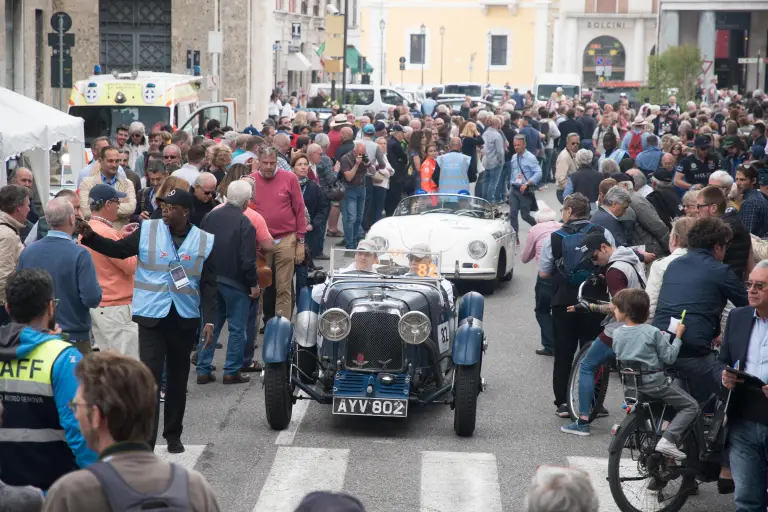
(641, 342)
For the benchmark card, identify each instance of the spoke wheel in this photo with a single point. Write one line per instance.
(601, 378)
(635, 466)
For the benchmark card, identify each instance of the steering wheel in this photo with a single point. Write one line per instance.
(467, 213)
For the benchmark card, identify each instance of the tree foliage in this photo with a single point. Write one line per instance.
(676, 68)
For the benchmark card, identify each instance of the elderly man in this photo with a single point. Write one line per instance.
(172, 155)
(23, 177)
(112, 325)
(525, 177)
(565, 165)
(108, 174)
(14, 208)
(586, 180)
(560, 488)
(354, 169)
(279, 200)
(649, 159)
(615, 204)
(642, 188)
(366, 256)
(191, 169)
(347, 138)
(283, 146)
(493, 161)
(92, 169)
(204, 191)
(724, 181)
(668, 161)
(237, 282)
(72, 269)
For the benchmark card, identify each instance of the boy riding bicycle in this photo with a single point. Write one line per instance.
(637, 341)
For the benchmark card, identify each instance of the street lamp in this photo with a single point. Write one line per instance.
(442, 36)
(490, 51)
(423, 51)
(382, 26)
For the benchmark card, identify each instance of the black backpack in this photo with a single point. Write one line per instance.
(123, 498)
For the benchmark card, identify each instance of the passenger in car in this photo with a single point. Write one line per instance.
(420, 264)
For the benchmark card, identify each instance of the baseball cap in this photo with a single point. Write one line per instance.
(397, 128)
(729, 141)
(592, 242)
(367, 245)
(379, 126)
(702, 141)
(758, 152)
(102, 193)
(664, 107)
(420, 250)
(243, 158)
(179, 196)
(663, 174)
(369, 129)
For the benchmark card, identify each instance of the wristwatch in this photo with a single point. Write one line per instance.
(300, 240)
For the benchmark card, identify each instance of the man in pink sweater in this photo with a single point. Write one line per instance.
(278, 199)
(112, 324)
(545, 226)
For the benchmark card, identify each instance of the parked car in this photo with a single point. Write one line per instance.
(475, 242)
(377, 342)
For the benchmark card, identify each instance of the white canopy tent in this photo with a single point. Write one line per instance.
(33, 128)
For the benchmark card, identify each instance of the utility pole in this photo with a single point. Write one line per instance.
(344, 56)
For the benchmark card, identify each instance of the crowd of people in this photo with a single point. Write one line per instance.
(169, 236)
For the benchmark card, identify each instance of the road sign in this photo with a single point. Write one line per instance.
(608, 71)
(748, 60)
(276, 47)
(296, 30)
(402, 66)
(599, 61)
(294, 49)
(53, 40)
(402, 60)
(211, 82)
(65, 18)
(608, 62)
(67, 71)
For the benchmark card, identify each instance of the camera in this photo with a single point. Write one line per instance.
(366, 161)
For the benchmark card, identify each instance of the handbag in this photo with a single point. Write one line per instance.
(264, 271)
(336, 191)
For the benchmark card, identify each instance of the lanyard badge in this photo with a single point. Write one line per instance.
(177, 272)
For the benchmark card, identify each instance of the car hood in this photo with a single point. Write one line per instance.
(442, 232)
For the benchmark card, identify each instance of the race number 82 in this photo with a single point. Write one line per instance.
(427, 270)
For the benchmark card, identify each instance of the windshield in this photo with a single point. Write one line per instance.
(103, 120)
(466, 90)
(545, 91)
(450, 204)
(400, 263)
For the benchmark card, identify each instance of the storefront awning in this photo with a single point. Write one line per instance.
(298, 62)
(353, 60)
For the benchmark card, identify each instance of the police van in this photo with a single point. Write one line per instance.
(108, 101)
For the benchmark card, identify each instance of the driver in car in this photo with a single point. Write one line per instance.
(420, 264)
(365, 258)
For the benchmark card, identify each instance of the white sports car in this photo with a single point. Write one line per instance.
(475, 242)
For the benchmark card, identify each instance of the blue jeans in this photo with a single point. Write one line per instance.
(749, 457)
(504, 181)
(250, 332)
(543, 310)
(546, 175)
(491, 186)
(353, 208)
(597, 354)
(233, 308)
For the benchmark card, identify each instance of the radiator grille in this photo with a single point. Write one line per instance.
(373, 343)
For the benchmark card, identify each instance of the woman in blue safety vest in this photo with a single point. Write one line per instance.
(174, 283)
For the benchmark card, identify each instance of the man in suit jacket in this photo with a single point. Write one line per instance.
(744, 347)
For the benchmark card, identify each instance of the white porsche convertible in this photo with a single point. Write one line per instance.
(475, 242)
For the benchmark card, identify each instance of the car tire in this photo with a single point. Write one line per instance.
(465, 390)
(277, 395)
(306, 361)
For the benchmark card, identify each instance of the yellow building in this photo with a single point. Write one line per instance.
(442, 41)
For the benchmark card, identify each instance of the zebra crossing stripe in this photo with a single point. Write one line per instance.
(187, 459)
(286, 437)
(459, 482)
(597, 468)
(298, 471)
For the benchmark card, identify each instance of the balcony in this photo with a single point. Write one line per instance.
(512, 5)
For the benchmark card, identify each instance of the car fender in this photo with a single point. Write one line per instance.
(468, 344)
(307, 319)
(472, 305)
(278, 335)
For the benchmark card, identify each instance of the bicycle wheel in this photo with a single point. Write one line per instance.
(601, 378)
(633, 466)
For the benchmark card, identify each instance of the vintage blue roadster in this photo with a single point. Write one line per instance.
(378, 337)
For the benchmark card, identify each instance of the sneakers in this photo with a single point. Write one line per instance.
(669, 449)
(576, 429)
(562, 411)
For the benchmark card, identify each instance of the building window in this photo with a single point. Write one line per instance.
(304, 8)
(278, 5)
(292, 5)
(498, 50)
(316, 8)
(418, 48)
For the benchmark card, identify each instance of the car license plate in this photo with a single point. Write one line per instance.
(370, 407)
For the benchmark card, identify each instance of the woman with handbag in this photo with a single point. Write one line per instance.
(380, 184)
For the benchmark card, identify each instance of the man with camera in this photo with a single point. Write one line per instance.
(355, 167)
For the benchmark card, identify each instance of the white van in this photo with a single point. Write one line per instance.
(547, 83)
(363, 98)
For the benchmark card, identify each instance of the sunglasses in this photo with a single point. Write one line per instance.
(700, 206)
(757, 285)
(168, 157)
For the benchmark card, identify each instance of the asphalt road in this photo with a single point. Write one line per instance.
(417, 464)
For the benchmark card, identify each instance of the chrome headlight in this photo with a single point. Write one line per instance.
(382, 244)
(335, 324)
(477, 249)
(414, 327)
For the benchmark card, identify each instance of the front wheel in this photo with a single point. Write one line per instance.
(466, 387)
(641, 479)
(277, 395)
(601, 377)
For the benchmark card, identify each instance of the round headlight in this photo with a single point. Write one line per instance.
(477, 249)
(382, 244)
(414, 327)
(335, 324)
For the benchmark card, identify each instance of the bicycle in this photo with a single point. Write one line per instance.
(668, 483)
(601, 374)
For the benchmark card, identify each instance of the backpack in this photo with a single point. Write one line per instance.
(570, 264)
(635, 144)
(123, 498)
